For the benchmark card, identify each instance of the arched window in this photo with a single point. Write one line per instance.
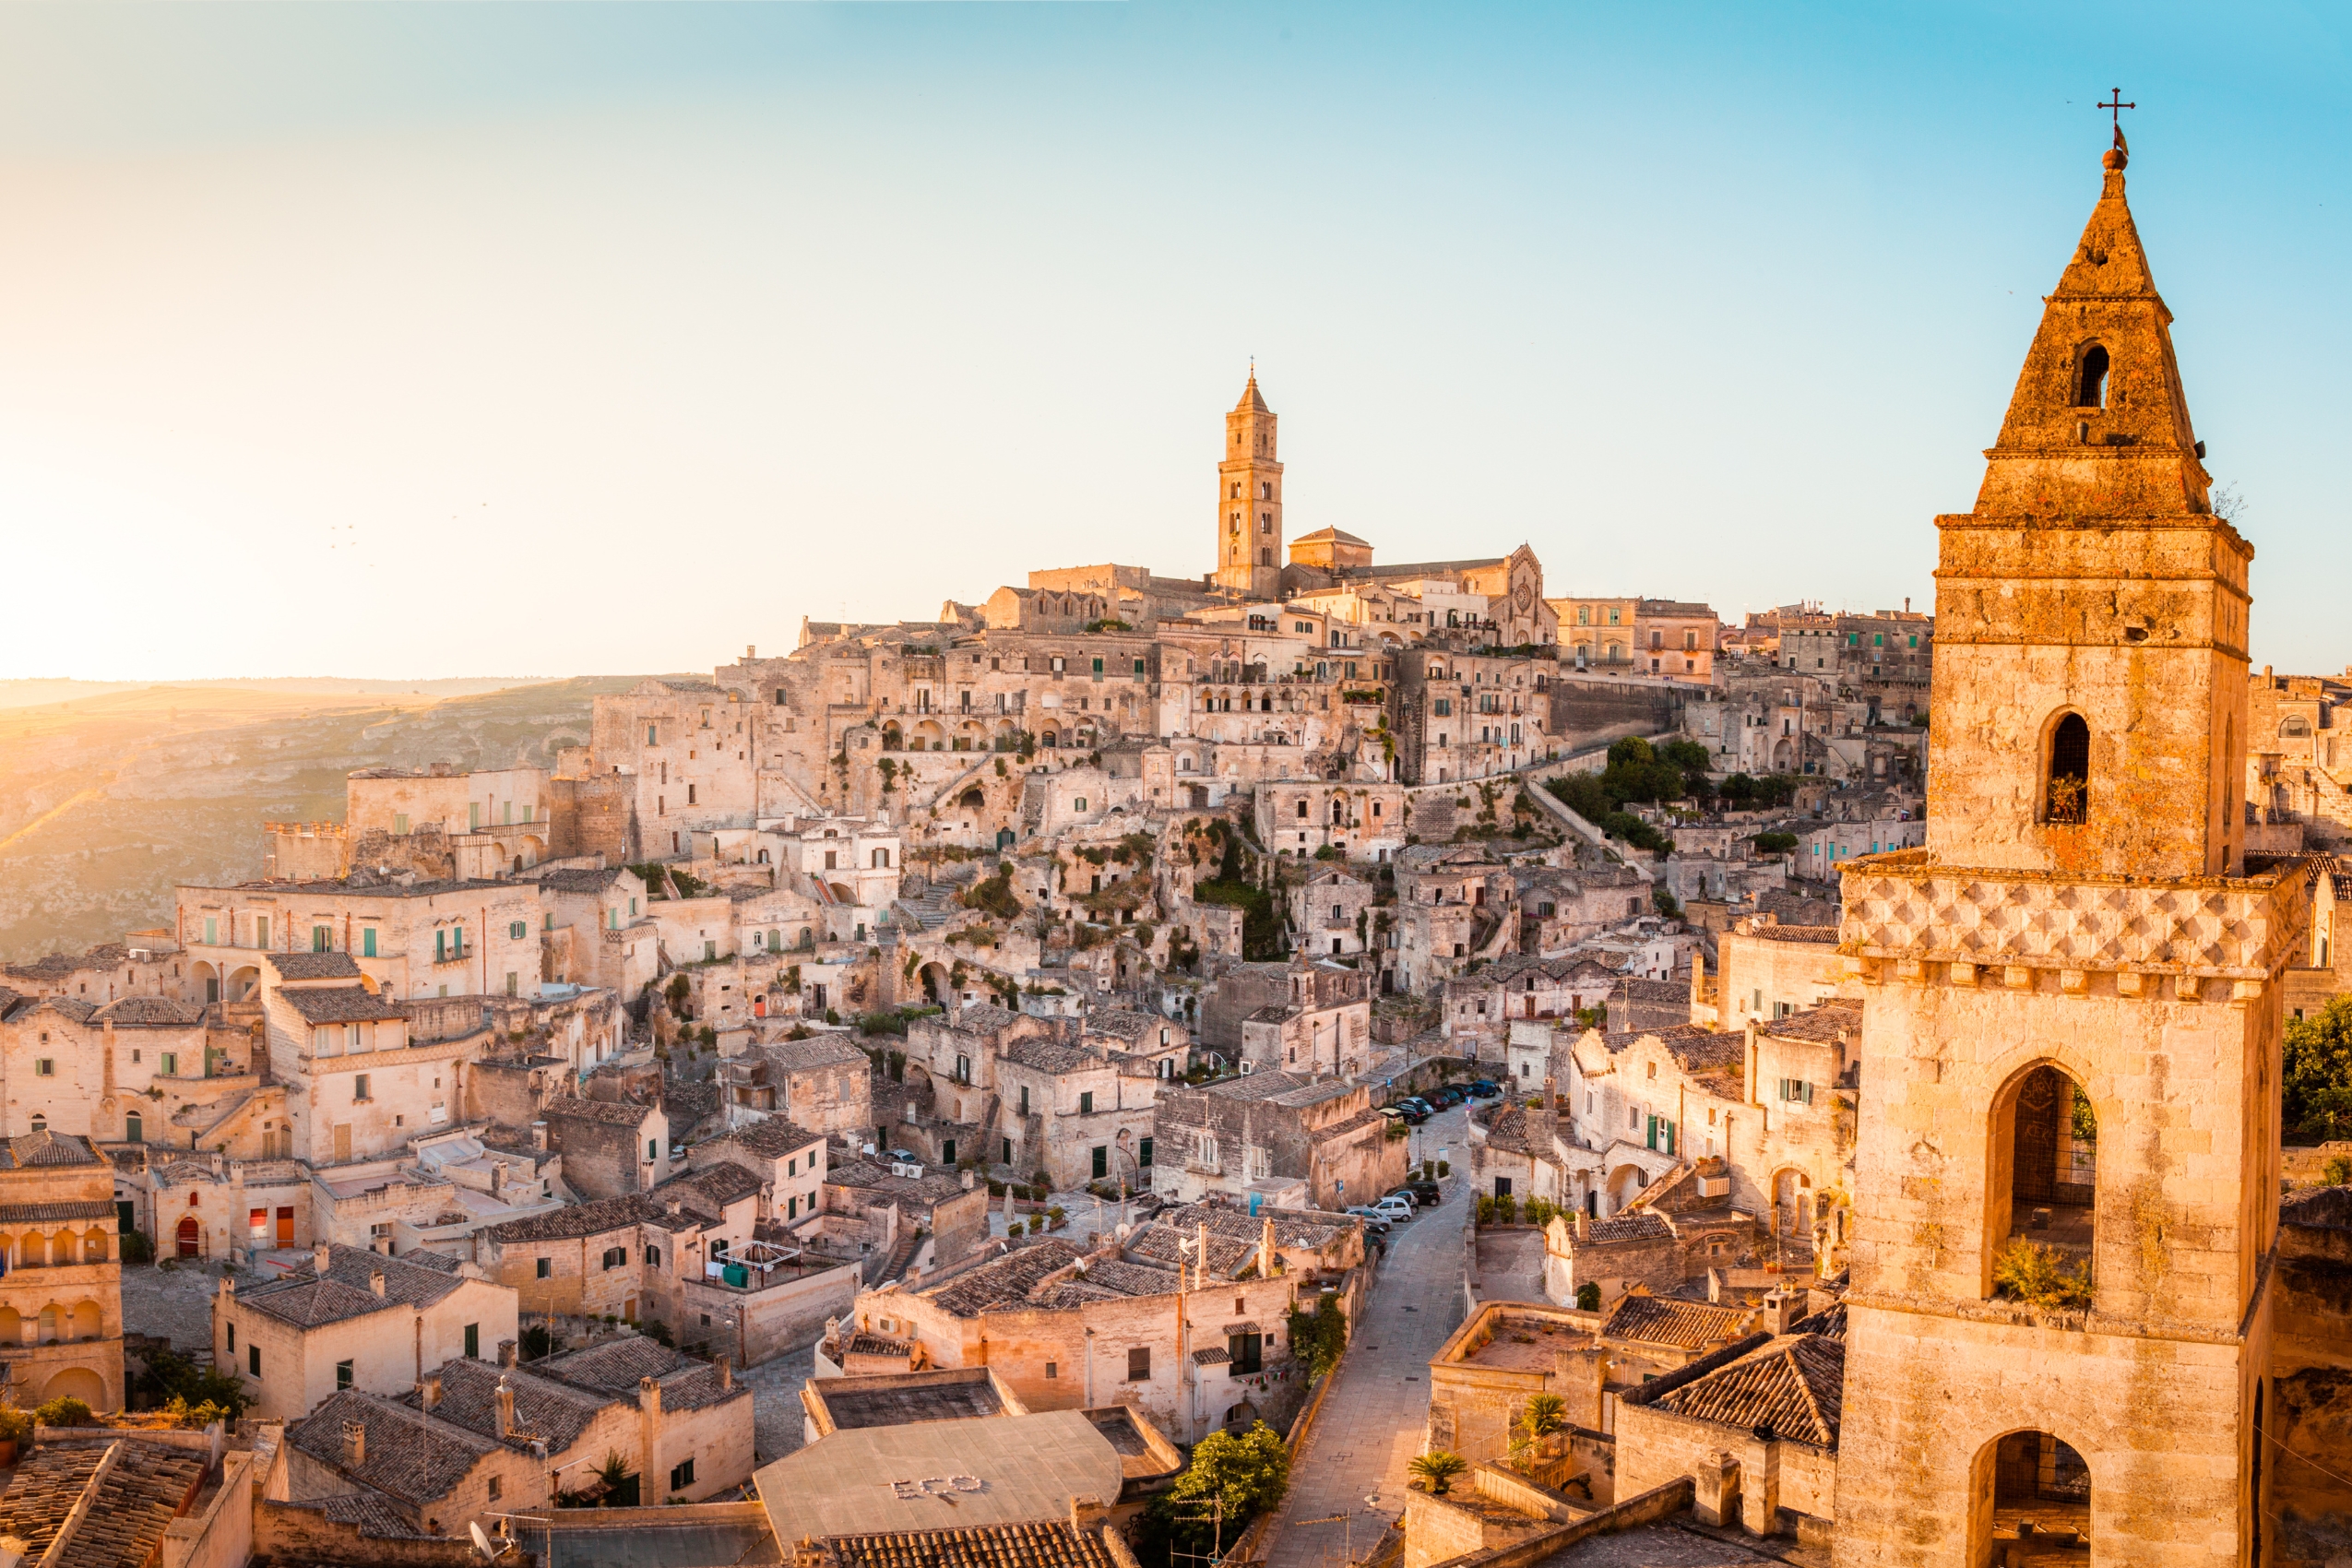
(2044, 1179)
(2066, 797)
(2090, 386)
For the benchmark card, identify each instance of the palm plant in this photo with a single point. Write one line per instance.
(1437, 1468)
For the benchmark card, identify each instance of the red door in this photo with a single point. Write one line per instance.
(191, 1236)
(285, 1227)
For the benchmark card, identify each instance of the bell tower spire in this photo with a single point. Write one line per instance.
(1249, 498)
(2091, 612)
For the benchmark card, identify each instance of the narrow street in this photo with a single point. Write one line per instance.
(1373, 1418)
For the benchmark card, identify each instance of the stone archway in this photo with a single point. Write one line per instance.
(76, 1382)
(2029, 1501)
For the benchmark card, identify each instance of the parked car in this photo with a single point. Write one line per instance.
(1417, 1102)
(1413, 1113)
(1446, 1098)
(1406, 1193)
(1398, 1210)
(1484, 1090)
(1374, 1221)
(1424, 1192)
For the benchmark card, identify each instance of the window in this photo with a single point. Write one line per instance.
(211, 931)
(653, 1257)
(359, 1088)
(1796, 1091)
(518, 930)
(1024, 1100)
(1101, 1153)
(473, 1341)
(261, 931)
(343, 1377)
(1143, 1154)
(1085, 1102)
(545, 1268)
(1248, 1352)
(1139, 1364)
(2066, 796)
(252, 1361)
(45, 1067)
(1051, 1371)
(367, 942)
(322, 939)
(2090, 386)
(134, 1129)
(681, 1475)
(494, 1487)
(615, 1257)
(233, 1338)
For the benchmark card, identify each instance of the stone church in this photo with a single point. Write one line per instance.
(2071, 1017)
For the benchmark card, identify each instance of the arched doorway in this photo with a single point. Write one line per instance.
(208, 982)
(2030, 1502)
(242, 984)
(2043, 1182)
(1624, 1184)
(190, 1237)
(936, 989)
(1792, 1204)
(76, 1382)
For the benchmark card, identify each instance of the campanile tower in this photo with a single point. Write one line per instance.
(2067, 1159)
(1249, 506)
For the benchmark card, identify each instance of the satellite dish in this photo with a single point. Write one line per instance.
(490, 1551)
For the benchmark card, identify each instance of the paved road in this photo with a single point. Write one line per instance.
(1375, 1417)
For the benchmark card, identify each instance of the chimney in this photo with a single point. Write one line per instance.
(497, 1179)
(1780, 1310)
(354, 1445)
(539, 1135)
(430, 1389)
(321, 1256)
(968, 1180)
(505, 1352)
(376, 1281)
(675, 1204)
(751, 651)
(725, 1370)
(649, 1399)
(506, 1407)
(228, 1287)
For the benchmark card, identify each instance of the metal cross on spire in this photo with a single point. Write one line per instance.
(2115, 108)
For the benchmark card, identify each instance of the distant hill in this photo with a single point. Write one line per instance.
(109, 799)
(35, 693)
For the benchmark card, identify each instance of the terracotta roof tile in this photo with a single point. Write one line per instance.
(1688, 1325)
(1794, 1385)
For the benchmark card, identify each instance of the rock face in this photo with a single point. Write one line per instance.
(2071, 1002)
(107, 802)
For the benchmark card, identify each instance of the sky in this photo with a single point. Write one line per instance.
(449, 341)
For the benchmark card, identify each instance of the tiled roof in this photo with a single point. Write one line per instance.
(305, 1300)
(44, 1489)
(372, 1515)
(1825, 1023)
(1829, 1322)
(616, 1366)
(341, 1005)
(1292, 1227)
(44, 1148)
(575, 1221)
(544, 1407)
(63, 966)
(40, 1214)
(1045, 1544)
(579, 880)
(984, 1018)
(146, 1490)
(775, 1138)
(1825, 934)
(1689, 1325)
(1794, 1385)
(1001, 1282)
(817, 1050)
(1214, 1355)
(711, 1189)
(150, 1012)
(1124, 1023)
(1171, 1244)
(315, 966)
(605, 1112)
(1050, 1056)
(1636, 1224)
(411, 1456)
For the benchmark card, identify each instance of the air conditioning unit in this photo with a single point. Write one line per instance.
(1715, 1186)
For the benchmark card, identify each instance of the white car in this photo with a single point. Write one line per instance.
(1394, 1209)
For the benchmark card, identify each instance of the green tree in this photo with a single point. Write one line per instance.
(1233, 1479)
(1319, 1338)
(2315, 1081)
(1588, 1297)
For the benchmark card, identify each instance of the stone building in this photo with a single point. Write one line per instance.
(61, 1271)
(1279, 1137)
(610, 1149)
(353, 1318)
(2087, 765)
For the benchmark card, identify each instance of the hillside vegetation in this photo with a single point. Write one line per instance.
(107, 801)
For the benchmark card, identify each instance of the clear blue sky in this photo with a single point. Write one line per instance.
(467, 339)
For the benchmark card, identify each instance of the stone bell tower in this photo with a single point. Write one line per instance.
(1249, 492)
(2067, 1161)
